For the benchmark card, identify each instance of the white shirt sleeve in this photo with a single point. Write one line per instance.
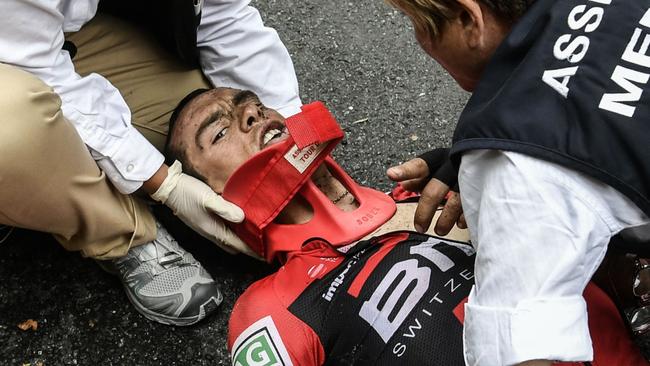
(237, 50)
(540, 231)
(31, 39)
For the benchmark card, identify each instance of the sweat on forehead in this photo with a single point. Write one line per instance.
(233, 97)
(186, 108)
(174, 147)
(192, 104)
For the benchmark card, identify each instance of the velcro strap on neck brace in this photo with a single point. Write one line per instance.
(314, 125)
(266, 182)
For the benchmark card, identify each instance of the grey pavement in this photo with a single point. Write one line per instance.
(361, 59)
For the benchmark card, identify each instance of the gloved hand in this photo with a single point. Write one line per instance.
(440, 167)
(200, 208)
(432, 174)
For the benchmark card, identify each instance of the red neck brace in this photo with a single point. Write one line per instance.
(267, 181)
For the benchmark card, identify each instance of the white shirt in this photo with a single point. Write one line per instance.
(235, 48)
(540, 232)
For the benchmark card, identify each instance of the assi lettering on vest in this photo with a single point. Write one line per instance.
(572, 47)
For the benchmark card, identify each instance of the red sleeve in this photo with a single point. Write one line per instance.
(609, 335)
(262, 329)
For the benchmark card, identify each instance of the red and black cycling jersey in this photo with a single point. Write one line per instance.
(396, 299)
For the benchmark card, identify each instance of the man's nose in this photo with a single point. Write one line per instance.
(250, 115)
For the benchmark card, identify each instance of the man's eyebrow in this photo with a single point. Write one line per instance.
(212, 118)
(242, 96)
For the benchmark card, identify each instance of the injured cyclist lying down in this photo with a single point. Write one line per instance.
(357, 286)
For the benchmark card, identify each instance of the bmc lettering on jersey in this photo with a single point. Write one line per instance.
(260, 345)
(414, 328)
(301, 159)
(381, 309)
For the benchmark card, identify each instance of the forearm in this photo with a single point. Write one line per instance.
(32, 40)
(103, 121)
(539, 238)
(237, 50)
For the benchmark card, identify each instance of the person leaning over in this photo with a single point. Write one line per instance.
(79, 137)
(554, 139)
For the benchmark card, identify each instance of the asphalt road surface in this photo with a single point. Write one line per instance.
(360, 58)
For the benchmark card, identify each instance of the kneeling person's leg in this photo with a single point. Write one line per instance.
(49, 182)
(176, 288)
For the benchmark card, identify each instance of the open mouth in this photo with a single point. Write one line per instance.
(276, 132)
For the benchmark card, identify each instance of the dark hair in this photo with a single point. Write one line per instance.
(177, 152)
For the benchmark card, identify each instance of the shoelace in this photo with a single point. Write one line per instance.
(170, 256)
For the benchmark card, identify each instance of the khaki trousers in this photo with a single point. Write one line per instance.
(48, 179)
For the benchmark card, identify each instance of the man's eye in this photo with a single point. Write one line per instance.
(219, 135)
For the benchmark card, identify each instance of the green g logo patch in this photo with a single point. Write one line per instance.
(260, 345)
(257, 351)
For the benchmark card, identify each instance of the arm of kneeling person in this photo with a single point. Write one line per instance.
(32, 40)
(238, 50)
(434, 177)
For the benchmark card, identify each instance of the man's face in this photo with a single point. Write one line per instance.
(466, 43)
(453, 55)
(222, 128)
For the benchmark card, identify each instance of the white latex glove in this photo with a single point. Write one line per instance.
(200, 208)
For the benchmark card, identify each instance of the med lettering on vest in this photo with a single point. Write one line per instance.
(572, 48)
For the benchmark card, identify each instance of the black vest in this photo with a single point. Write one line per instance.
(570, 85)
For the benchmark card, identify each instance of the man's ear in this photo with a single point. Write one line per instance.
(471, 19)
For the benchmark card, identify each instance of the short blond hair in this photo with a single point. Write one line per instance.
(431, 16)
(428, 16)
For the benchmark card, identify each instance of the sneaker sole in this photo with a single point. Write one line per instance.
(205, 309)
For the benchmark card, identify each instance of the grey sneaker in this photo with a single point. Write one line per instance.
(165, 283)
